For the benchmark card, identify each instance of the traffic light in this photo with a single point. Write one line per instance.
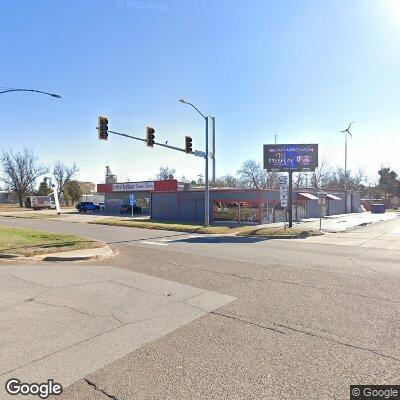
(188, 144)
(150, 136)
(103, 128)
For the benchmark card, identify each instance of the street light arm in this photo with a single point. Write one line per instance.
(197, 110)
(31, 90)
(186, 102)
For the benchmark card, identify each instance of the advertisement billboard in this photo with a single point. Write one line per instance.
(290, 157)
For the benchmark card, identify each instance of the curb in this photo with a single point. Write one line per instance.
(282, 236)
(74, 255)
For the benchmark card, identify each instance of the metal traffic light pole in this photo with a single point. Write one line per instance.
(206, 186)
(196, 153)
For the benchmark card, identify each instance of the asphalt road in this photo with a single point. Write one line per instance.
(310, 317)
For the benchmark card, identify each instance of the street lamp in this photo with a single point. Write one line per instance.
(30, 90)
(206, 188)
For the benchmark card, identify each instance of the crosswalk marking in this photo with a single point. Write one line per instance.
(156, 243)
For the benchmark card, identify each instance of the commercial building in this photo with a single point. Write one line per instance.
(261, 206)
(116, 194)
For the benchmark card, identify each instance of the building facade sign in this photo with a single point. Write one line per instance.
(133, 186)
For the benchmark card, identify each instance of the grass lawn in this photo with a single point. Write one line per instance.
(29, 242)
(215, 229)
(280, 232)
(168, 226)
(12, 208)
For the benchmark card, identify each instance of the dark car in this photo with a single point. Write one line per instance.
(84, 206)
(126, 209)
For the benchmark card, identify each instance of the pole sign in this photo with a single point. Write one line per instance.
(283, 190)
(132, 199)
(290, 157)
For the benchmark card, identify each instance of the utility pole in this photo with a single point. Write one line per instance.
(276, 137)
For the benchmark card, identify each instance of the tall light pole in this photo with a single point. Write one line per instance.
(206, 188)
(346, 132)
(30, 90)
(213, 150)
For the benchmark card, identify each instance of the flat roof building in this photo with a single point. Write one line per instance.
(116, 194)
(245, 205)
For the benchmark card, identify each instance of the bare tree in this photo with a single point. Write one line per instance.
(21, 170)
(226, 181)
(321, 176)
(253, 176)
(63, 174)
(165, 173)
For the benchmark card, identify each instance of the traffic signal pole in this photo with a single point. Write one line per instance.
(196, 153)
(206, 188)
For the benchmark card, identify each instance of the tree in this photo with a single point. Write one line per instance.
(320, 177)
(21, 171)
(388, 183)
(165, 173)
(253, 176)
(226, 181)
(72, 191)
(44, 188)
(63, 174)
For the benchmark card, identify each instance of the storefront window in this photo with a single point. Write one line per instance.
(235, 211)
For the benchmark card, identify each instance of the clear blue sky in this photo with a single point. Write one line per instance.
(306, 67)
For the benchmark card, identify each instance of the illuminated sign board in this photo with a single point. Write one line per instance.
(290, 157)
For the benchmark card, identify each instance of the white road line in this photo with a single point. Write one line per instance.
(179, 239)
(156, 243)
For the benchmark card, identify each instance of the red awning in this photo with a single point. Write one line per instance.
(308, 196)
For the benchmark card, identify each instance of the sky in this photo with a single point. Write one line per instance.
(305, 68)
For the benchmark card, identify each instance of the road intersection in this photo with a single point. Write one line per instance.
(303, 318)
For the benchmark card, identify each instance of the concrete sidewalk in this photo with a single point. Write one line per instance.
(339, 223)
(63, 322)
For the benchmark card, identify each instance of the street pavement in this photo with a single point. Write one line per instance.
(302, 318)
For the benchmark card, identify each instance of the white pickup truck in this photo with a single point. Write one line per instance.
(39, 202)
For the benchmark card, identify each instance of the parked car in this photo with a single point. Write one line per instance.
(126, 209)
(102, 206)
(84, 206)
